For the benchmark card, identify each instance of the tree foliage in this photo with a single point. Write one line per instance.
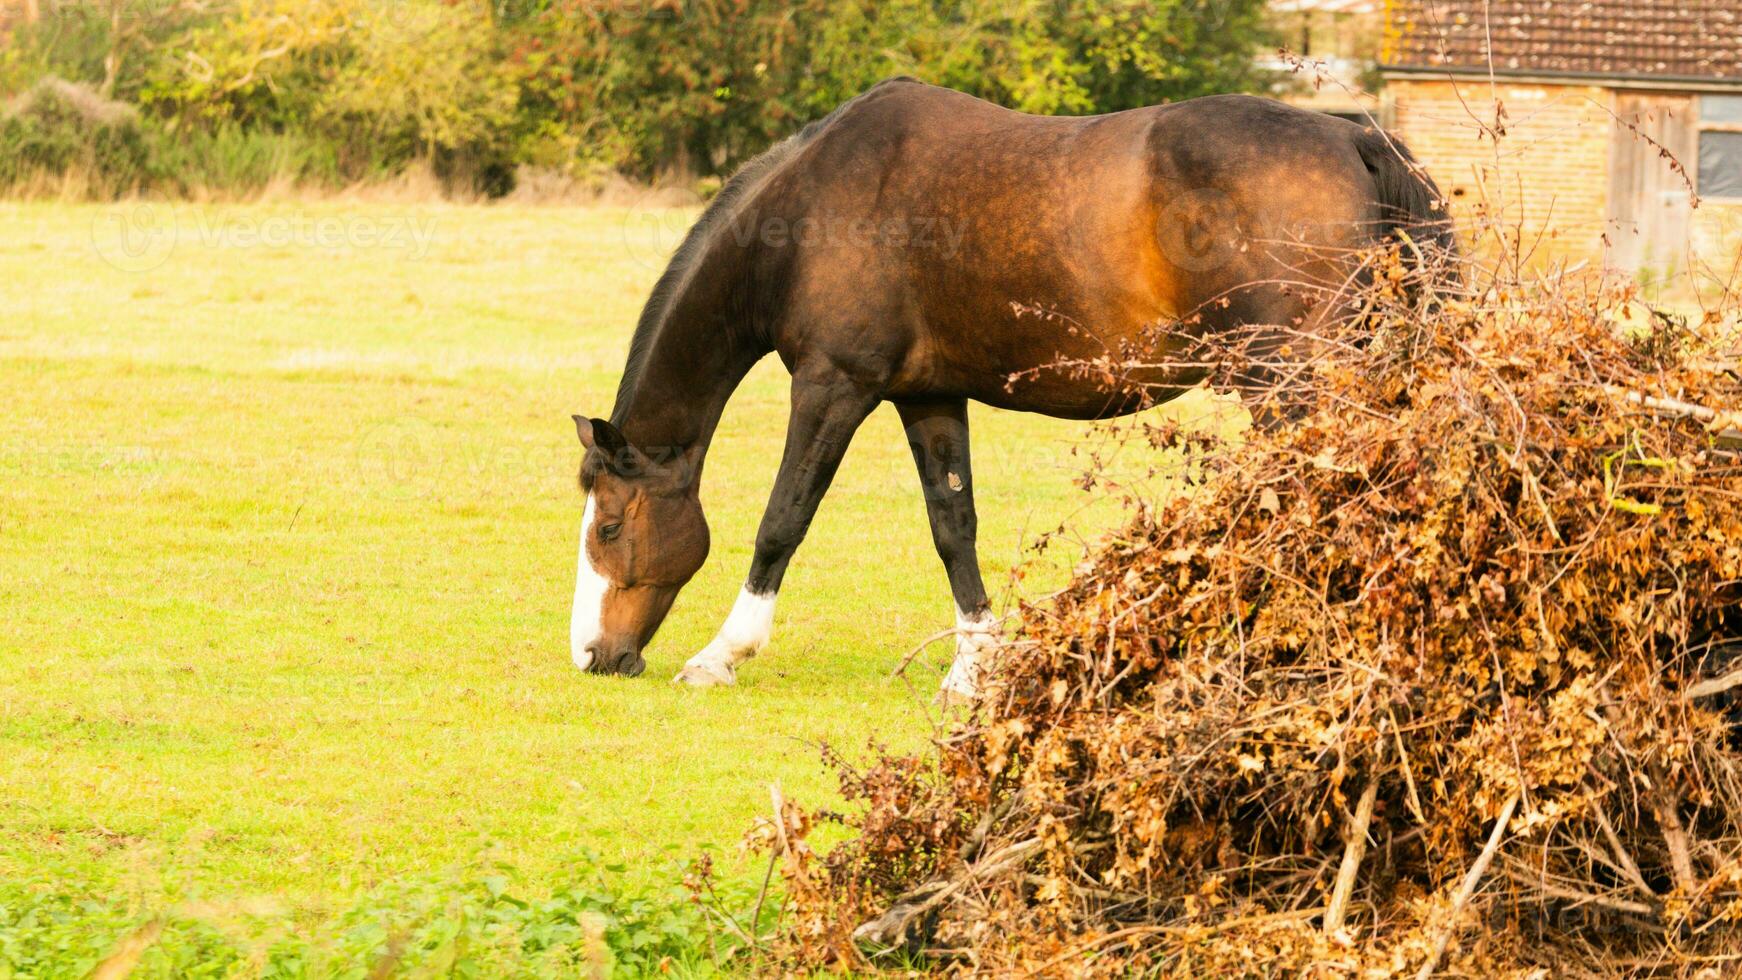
(645, 86)
(715, 82)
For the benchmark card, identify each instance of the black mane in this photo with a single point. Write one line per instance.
(717, 215)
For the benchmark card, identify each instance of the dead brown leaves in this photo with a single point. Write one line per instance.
(1456, 608)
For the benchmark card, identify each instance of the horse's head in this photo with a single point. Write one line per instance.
(642, 538)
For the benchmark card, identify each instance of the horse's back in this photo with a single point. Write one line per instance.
(998, 242)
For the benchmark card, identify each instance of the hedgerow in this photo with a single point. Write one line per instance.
(477, 88)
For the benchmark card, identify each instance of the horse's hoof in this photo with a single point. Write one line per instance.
(959, 688)
(962, 684)
(950, 697)
(705, 675)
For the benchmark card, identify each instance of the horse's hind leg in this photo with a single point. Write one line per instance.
(1272, 340)
(827, 408)
(937, 432)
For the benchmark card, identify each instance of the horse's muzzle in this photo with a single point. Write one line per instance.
(627, 662)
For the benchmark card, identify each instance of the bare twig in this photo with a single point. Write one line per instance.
(1622, 857)
(1675, 837)
(1728, 435)
(890, 930)
(1467, 888)
(1715, 685)
(761, 896)
(1535, 883)
(1354, 850)
(901, 668)
(779, 816)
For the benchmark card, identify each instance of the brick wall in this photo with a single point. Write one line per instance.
(1717, 234)
(1553, 164)
(1552, 169)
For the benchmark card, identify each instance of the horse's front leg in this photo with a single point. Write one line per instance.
(937, 432)
(827, 408)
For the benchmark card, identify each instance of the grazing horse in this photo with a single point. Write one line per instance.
(896, 251)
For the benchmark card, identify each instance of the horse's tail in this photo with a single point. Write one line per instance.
(1410, 203)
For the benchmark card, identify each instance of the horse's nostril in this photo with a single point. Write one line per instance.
(625, 662)
(597, 663)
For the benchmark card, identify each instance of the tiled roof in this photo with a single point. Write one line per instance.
(1682, 39)
(1326, 6)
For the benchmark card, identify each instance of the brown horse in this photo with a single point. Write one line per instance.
(893, 252)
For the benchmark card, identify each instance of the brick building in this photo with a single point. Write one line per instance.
(1591, 90)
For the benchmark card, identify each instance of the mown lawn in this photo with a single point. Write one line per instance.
(287, 519)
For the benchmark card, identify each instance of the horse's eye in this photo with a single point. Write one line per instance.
(610, 531)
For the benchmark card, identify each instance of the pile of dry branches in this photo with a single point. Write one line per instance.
(1435, 679)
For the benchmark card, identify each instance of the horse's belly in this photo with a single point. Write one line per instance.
(1038, 359)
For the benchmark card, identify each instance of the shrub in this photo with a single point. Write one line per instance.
(425, 81)
(109, 44)
(379, 82)
(58, 127)
(228, 158)
(259, 64)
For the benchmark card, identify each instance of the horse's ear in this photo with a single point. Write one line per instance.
(600, 434)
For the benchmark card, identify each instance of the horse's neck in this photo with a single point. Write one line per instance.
(696, 359)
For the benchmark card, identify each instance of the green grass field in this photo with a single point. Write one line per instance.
(287, 522)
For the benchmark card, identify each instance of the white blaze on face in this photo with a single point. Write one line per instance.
(590, 588)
